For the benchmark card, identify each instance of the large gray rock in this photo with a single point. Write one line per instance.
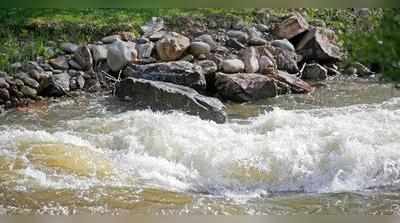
(162, 96)
(99, 52)
(24, 77)
(55, 86)
(319, 44)
(245, 87)
(284, 44)
(285, 59)
(84, 58)
(59, 62)
(4, 94)
(232, 66)
(250, 58)
(29, 92)
(239, 35)
(255, 37)
(314, 72)
(206, 38)
(178, 72)
(3, 83)
(198, 48)
(292, 27)
(69, 47)
(110, 39)
(120, 54)
(172, 46)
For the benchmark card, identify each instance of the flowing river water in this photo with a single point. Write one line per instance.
(335, 151)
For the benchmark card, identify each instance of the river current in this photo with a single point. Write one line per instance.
(334, 151)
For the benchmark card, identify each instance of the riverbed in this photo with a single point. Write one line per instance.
(334, 151)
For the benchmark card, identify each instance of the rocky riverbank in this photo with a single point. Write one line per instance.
(202, 64)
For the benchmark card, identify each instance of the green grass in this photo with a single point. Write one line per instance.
(28, 33)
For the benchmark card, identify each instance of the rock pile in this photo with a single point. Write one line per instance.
(238, 62)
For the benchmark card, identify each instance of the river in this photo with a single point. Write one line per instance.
(335, 151)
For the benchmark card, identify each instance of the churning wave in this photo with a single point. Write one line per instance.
(320, 150)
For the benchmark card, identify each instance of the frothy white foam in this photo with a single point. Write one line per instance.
(344, 149)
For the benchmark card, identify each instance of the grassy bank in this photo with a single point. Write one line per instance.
(28, 33)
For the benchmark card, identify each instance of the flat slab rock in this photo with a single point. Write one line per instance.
(296, 84)
(162, 96)
(179, 72)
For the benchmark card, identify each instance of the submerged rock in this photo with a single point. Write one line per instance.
(179, 72)
(162, 96)
(244, 87)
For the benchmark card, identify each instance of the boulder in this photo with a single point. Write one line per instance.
(84, 58)
(285, 60)
(28, 91)
(172, 46)
(206, 38)
(198, 48)
(59, 62)
(314, 72)
(56, 85)
(24, 77)
(4, 83)
(74, 64)
(144, 50)
(111, 39)
(120, 54)
(99, 52)
(291, 27)
(232, 66)
(255, 37)
(266, 65)
(4, 94)
(284, 44)
(296, 84)
(319, 44)
(162, 96)
(244, 87)
(69, 47)
(250, 58)
(178, 72)
(239, 35)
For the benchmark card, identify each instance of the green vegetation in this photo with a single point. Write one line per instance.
(29, 33)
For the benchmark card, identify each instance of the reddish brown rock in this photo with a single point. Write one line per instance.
(292, 27)
(242, 87)
(319, 44)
